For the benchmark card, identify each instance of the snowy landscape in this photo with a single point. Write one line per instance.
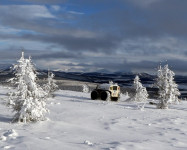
(37, 116)
(93, 75)
(77, 122)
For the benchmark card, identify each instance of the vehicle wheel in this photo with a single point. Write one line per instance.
(105, 95)
(94, 95)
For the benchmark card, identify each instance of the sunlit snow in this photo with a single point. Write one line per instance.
(76, 122)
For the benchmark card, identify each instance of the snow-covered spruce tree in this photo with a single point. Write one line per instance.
(51, 86)
(28, 101)
(85, 88)
(141, 94)
(168, 89)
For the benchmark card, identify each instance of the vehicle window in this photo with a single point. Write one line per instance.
(114, 87)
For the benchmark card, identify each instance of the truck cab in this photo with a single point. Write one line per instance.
(105, 91)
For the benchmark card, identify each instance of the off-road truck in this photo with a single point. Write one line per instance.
(106, 92)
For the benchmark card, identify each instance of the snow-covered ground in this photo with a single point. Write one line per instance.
(78, 123)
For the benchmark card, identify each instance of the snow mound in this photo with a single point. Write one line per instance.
(3, 138)
(8, 137)
(7, 147)
(88, 143)
(11, 133)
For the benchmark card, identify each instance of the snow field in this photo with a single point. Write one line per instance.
(76, 123)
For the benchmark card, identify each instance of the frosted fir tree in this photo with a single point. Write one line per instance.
(141, 94)
(28, 101)
(85, 88)
(51, 86)
(111, 82)
(168, 89)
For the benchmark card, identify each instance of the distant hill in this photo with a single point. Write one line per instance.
(122, 78)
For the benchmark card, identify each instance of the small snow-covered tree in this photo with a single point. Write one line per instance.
(127, 93)
(28, 101)
(85, 88)
(168, 89)
(51, 86)
(111, 82)
(141, 94)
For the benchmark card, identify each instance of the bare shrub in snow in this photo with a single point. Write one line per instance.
(168, 89)
(28, 101)
(51, 86)
(85, 88)
(141, 95)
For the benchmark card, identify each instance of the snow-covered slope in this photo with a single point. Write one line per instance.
(78, 123)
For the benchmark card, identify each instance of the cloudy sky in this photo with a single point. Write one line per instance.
(95, 35)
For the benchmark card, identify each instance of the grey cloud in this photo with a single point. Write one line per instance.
(177, 65)
(72, 39)
(104, 44)
(15, 53)
(47, 1)
(57, 55)
(114, 25)
(169, 17)
(124, 28)
(161, 18)
(34, 1)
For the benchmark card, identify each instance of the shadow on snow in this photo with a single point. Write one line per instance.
(5, 119)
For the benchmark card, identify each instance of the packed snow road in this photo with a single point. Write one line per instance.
(78, 123)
